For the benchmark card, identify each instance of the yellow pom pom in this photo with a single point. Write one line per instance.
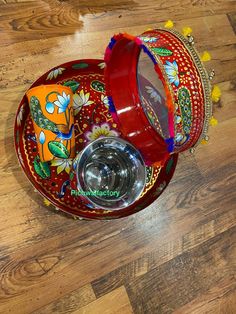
(169, 24)
(213, 121)
(205, 56)
(216, 93)
(186, 30)
(204, 142)
(46, 202)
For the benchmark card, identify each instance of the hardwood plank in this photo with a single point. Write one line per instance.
(232, 19)
(70, 302)
(220, 299)
(210, 155)
(167, 251)
(159, 11)
(12, 173)
(203, 29)
(27, 223)
(224, 110)
(218, 150)
(73, 254)
(66, 18)
(186, 277)
(223, 60)
(18, 70)
(40, 19)
(115, 302)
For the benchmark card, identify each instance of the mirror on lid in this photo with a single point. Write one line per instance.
(152, 95)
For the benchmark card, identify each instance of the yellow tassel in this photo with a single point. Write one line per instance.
(213, 121)
(205, 56)
(216, 93)
(169, 24)
(186, 30)
(204, 142)
(46, 202)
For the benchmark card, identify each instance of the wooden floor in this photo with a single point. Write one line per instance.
(176, 256)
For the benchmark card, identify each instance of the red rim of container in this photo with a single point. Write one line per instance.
(121, 57)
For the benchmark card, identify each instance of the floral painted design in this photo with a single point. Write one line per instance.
(172, 72)
(55, 73)
(42, 139)
(102, 65)
(179, 137)
(20, 115)
(62, 103)
(147, 39)
(62, 165)
(80, 100)
(44, 123)
(105, 100)
(100, 131)
(153, 94)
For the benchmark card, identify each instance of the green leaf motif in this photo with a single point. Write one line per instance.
(81, 65)
(73, 85)
(151, 118)
(149, 173)
(58, 149)
(41, 168)
(71, 176)
(184, 101)
(98, 86)
(163, 52)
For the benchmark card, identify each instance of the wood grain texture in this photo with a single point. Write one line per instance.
(232, 19)
(219, 299)
(176, 256)
(185, 277)
(69, 303)
(115, 302)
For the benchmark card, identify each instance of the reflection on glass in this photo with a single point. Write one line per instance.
(152, 95)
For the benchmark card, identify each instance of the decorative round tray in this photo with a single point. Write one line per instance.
(53, 180)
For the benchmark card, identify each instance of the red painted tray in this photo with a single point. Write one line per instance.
(92, 119)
